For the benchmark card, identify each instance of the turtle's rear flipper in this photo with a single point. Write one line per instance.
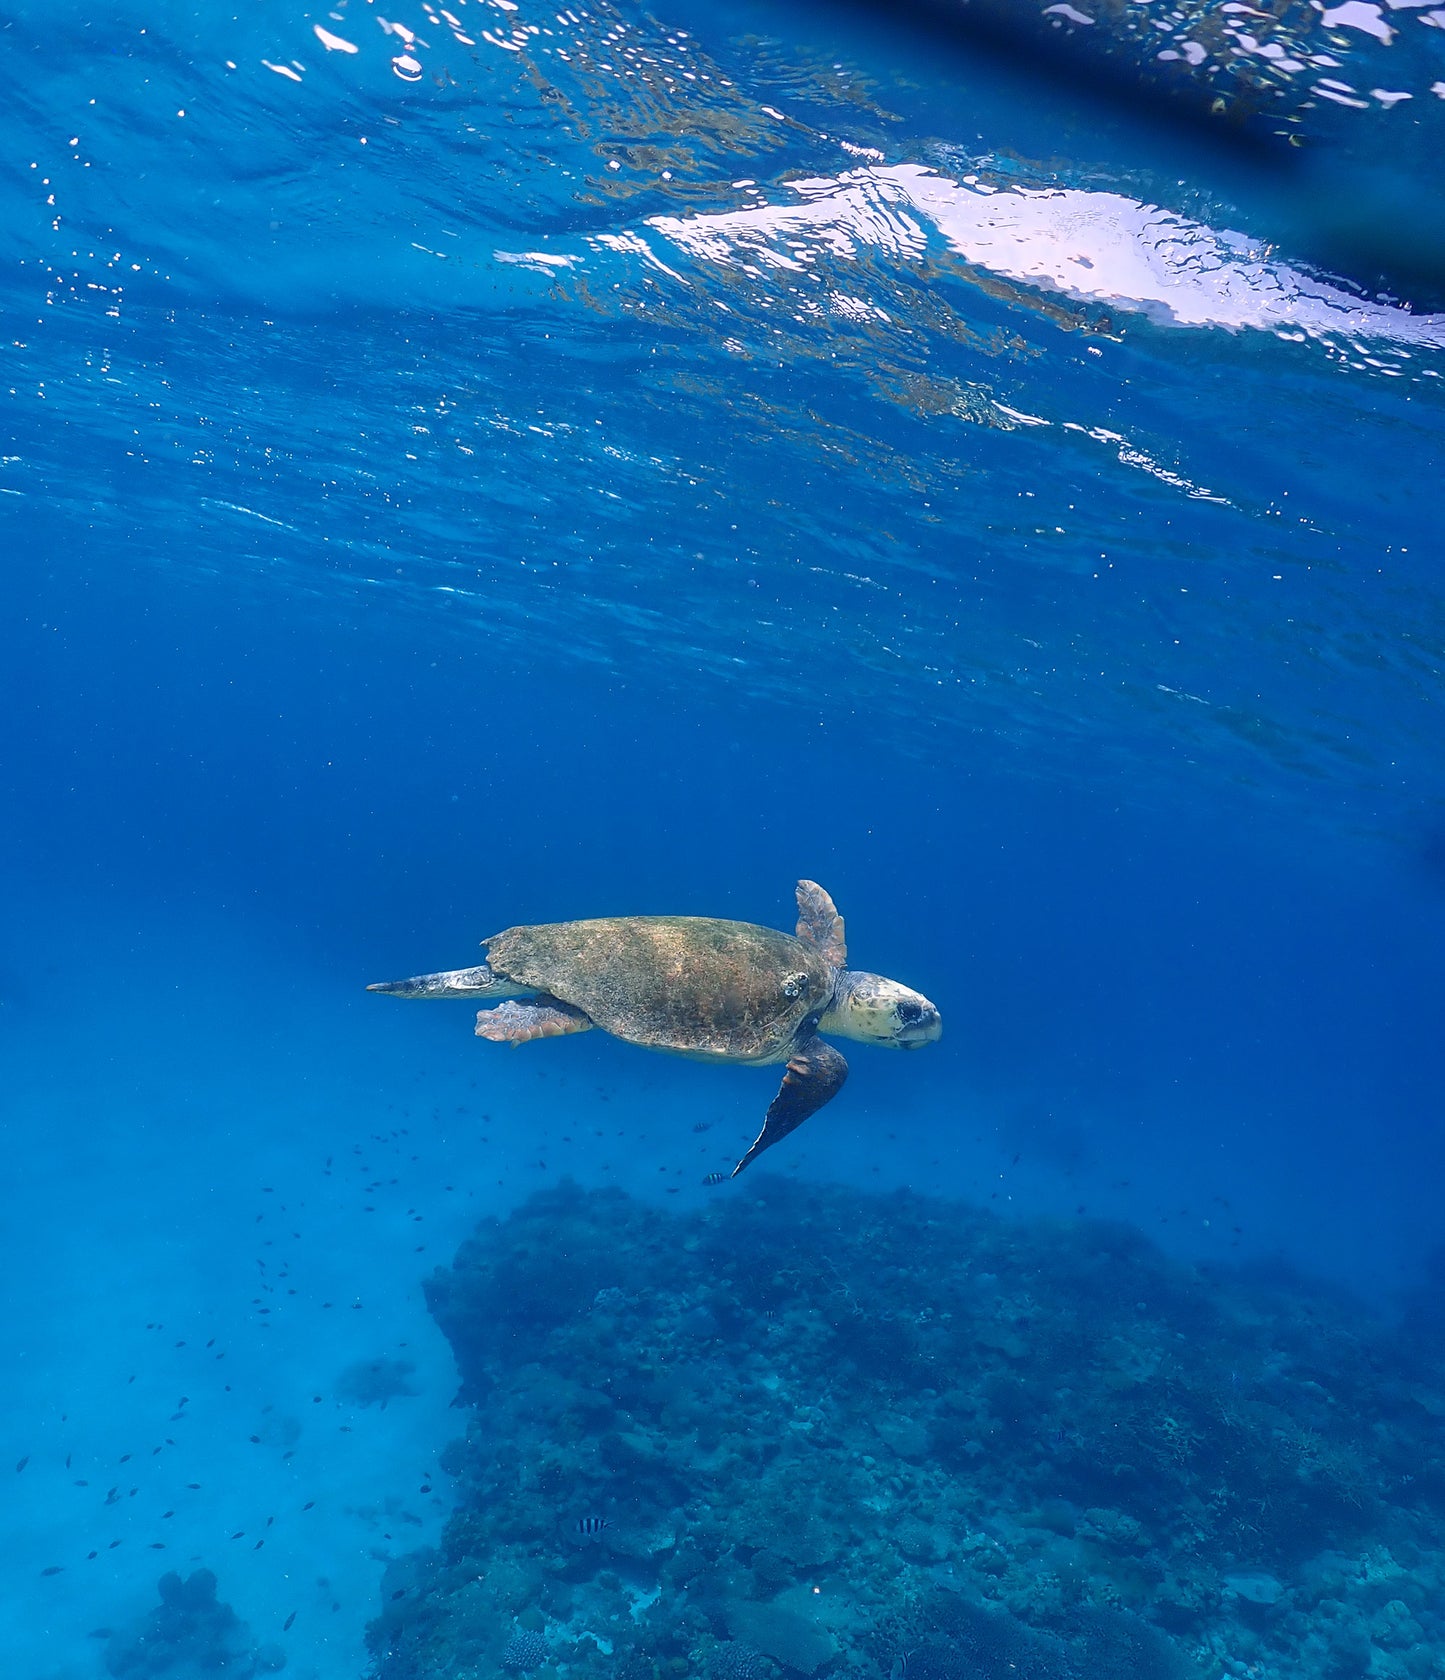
(539, 1017)
(454, 983)
(815, 1076)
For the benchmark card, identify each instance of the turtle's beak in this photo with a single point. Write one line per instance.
(920, 1024)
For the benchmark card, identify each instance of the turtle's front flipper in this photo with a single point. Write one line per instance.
(538, 1017)
(820, 925)
(815, 1076)
(454, 983)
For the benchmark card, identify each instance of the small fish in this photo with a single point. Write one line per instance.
(716, 1178)
(703, 1126)
(286, 1625)
(589, 1527)
(54, 1569)
(21, 1465)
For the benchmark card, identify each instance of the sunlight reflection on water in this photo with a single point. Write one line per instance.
(1095, 246)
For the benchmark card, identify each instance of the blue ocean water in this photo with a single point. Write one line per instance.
(505, 465)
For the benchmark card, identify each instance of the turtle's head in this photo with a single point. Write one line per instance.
(879, 1011)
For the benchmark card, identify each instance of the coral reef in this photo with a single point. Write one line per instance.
(811, 1431)
(189, 1636)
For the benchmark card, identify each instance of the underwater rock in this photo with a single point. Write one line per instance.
(1394, 1628)
(643, 1540)
(1115, 1530)
(985, 1644)
(1095, 1643)
(923, 1542)
(906, 1437)
(189, 1636)
(1254, 1586)
(801, 1537)
(796, 1640)
(1105, 1642)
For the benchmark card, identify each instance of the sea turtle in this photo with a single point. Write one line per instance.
(713, 990)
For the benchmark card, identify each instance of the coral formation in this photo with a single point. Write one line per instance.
(190, 1635)
(731, 1661)
(812, 1431)
(525, 1651)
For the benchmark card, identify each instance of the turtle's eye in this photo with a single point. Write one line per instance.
(908, 1013)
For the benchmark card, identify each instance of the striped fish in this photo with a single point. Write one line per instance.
(716, 1178)
(588, 1528)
